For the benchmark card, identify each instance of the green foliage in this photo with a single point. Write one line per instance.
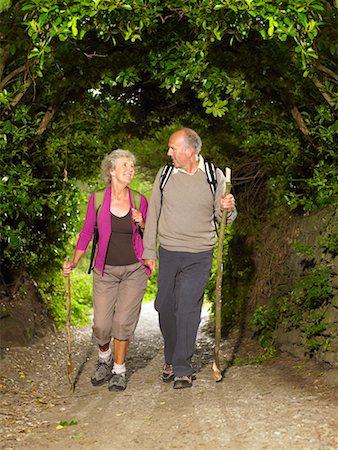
(303, 249)
(269, 353)
(264, 323)
(301, 308)
(330, 241)
(52, 289)
(4, 4)
(151, 290)
(237, 276)
(33, 232)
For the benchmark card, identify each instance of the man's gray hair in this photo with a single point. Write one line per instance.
(192, 139)
(109, 162)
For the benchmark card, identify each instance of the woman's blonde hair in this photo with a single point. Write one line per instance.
(109, 162)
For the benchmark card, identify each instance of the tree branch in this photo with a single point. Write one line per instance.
(326, 70)
(4, 53)
(45, 120)
(11, 75)
(324, 92)
(21, 93)
(91, 55)
(299, 120)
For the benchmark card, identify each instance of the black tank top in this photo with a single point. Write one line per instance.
(120, 250)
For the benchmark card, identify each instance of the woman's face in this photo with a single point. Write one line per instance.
(124, 171)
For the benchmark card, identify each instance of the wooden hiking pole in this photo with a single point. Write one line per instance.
(216, 368)
(70, 366)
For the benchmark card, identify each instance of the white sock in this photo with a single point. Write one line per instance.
(105, 356)
(119, 368)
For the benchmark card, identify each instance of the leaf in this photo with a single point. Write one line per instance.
(75, 31)
(68, 424)
(217, 34)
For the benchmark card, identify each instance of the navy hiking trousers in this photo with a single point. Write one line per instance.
(181, 282)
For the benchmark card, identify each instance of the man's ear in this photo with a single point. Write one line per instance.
(189, 152)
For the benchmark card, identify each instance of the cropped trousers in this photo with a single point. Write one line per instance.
(117, 297)
(181, 282)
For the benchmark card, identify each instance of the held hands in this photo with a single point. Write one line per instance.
(227, 202)
(151, 264)
(137, 218)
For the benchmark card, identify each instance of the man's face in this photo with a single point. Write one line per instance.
(178, 151)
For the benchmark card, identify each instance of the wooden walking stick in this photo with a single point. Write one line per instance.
(70, 366)
(216, 367)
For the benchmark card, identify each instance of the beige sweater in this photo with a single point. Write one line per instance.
(185, 221)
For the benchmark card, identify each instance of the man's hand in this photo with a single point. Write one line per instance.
(151, 263)
(227, 202)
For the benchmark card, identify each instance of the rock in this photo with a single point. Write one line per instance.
(331, 315)
(334, 300)
(329, 357)
(295, 350)
(284, 337)
(331, 330)
(295, 336)
(331, 377)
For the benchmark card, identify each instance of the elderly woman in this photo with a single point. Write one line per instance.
(119, 275)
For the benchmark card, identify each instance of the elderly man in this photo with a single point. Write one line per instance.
(182, 209)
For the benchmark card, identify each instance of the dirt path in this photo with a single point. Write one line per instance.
(280, 404)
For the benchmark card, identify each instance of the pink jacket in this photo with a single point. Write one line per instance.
(104, 227)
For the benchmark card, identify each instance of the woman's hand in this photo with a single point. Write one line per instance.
(137, 218)
(68, 267)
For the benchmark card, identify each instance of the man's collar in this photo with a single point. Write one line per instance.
(200, 166)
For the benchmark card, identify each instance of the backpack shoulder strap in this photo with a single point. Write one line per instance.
(98, 199)
(135, 198)
(166, 172)
(210, 171)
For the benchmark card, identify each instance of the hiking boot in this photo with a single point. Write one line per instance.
(182, 382)
(167, 373)
(102, 372)
(118, 382)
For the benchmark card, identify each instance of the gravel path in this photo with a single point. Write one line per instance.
(280, 404)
